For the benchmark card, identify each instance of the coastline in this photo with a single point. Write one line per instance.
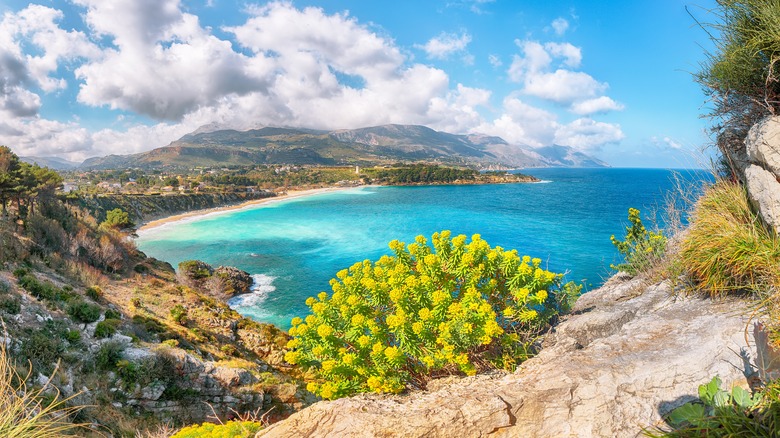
(292, 194)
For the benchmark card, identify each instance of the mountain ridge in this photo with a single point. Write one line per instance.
(214, 145)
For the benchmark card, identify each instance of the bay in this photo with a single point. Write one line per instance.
(294, 247)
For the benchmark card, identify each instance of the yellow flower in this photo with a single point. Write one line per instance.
(393, 354)
(417, 327)
(462, 359)
(352, 300)
(318, 308)
(424, 313)
(328, 365)
(322, 296)
(311, 319)
(536, 262)
(310, 301)
(374, 383)
(526, 259)
(364, 340)
(317, 351)
(428, 361)
(541, 295)
(312, 387)
(292, 343)
(358, 319)
(292, 357)
(348, 358)
(327, 391)
(377, 348)
(324, 330)
(295, 321)
(342, 274)
(301, 329)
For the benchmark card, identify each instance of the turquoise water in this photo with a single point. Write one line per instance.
(293, 247)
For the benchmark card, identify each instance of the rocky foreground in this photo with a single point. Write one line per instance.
(629, 354)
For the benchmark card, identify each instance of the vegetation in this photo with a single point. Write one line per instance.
(31, 413)
(117, 218)
(455, 306)
(727, 248)
(720, 413)
(231, 429)
(641, 249)
(24, 184)
(742, 76)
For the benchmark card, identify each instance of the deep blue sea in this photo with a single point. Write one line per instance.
(294, 247)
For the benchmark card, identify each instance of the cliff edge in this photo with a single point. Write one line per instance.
(628, 354)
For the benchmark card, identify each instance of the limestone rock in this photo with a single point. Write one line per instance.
(764, 192)
(233, 376)
(628, 355)
(763, 144)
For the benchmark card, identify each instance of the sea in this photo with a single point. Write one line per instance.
(294, 247)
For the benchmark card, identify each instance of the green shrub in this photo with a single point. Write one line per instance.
(95, 293)
(117, 218)
(727, 248)
(108, 355)
(106, 328)
(73, 336)
(10, 305)
(21, 272)
(128, 371)
(232, 429)
(112, 314)
(179, 314)
(45, 290)
(42, 348)
(195, 269)
(82, 311)
(4, 287)
(641, 249)
(450, 307)
(719, 413)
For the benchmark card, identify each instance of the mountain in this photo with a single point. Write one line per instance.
(211, 145)
(51, 162)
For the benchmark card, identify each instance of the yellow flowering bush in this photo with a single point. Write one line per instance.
(231, 429)
(455, 306)
(641, 249)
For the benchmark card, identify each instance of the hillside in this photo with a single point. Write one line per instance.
(375, 145)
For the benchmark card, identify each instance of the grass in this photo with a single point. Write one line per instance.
(29, 413)
(727, 248)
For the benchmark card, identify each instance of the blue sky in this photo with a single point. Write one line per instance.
(614, 79)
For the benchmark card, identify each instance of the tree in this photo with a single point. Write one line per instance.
(117, 218)
(9, 175)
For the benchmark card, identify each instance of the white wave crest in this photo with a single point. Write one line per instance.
(262, 286)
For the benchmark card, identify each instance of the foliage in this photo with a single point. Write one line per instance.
(195, 269)
(106, 328)
(30, 413)
(231, 429)
(719, 413)
(179, 314)
(421, 173)
(82, 311)
(95, 293)
(117, 218)
(24, 184)
(727, 248)
(452, 307)
(641, 249)
(112, 314)
(108, 355)
(10, 305)
(42, 348)
(742, 76)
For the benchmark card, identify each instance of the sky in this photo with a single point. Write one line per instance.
(612, 78)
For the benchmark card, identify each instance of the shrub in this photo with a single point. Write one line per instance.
(4, 287)
(28, 413)
(73, 336)
(82, 311)
(112, 314)
(20, 272)
(641, 249)
(10, 305)
(233, 429)
(195, 269)
(179, 314)
(108, 355)
(106, 328)
(719, 413)
(425, 310)
(727, 248)
(95, 293)
(42, 348)
(117, 218)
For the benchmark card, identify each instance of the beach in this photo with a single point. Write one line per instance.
(292, 194)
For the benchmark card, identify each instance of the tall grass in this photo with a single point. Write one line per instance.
(727, 248)
(31, 413)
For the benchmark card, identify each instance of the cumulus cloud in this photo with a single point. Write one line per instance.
(601, 104)
(560, 25)
(666, 143)
(444, 45)
(588, 134)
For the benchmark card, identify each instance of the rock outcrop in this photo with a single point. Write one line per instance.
(628, 355)
(760, 169)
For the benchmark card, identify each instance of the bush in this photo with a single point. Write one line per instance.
(108, 355)
(727, 248)
(233, 429)
(425, 310)
(719, 413)
(95, 293)
(10, 305)
(117, 218)
(112, 314)
(195, 269)
(4, 287)
(642, 249)
(106, 328)
(179, 314)
(82, 311)
(73, 336)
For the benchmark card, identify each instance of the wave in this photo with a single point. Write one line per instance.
(262, 287)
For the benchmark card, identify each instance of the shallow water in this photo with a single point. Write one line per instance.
(293, 247)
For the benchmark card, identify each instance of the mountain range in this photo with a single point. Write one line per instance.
(211, 146)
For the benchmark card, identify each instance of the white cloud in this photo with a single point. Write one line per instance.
(560, 25)
(666, 143)
(588, 134)
(444, 45)
(563, 86)
(522, 123)
(495, 61)
(598, 105)
(571, 55)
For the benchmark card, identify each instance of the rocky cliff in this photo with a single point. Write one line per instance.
(150, 207)
(629, 354)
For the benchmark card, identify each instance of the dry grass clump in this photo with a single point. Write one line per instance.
(727, 248)
(31, 413)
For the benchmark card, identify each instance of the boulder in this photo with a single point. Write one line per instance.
(763, 144)
(764, 192)
(228, 281)
(628, 354)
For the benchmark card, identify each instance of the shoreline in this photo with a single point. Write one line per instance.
(292, 194)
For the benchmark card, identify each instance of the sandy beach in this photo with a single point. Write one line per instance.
(192, 214)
